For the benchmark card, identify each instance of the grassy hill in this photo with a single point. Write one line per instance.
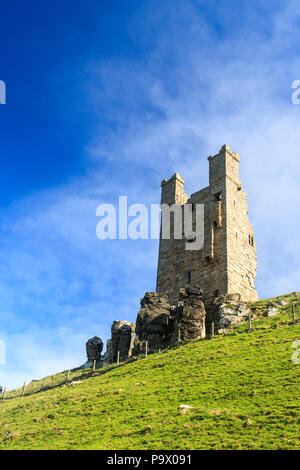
(243, 387)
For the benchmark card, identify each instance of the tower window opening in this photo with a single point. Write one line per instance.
(189, 277)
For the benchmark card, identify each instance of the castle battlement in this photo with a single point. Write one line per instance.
(227, 262)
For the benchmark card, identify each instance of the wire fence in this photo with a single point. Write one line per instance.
(74, 376)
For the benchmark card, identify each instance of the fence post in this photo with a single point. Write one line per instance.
(23, 389)
(212, 329)
(159, 351)
(179, 336)
(44, 384)
(94, 366)
(4, 393)
(146, 348)
(293, 311)
(118, 358)
(249, 322)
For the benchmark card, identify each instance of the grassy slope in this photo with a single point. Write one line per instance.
(244, 389)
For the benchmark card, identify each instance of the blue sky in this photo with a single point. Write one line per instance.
(106, 98)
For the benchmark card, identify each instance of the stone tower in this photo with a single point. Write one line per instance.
(226, 264)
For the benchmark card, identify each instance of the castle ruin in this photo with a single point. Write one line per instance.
(227, 262)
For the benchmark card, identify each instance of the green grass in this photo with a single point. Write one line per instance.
(244, 388)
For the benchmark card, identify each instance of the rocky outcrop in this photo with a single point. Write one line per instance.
(282, 303)
(161, 325)
(190, 314)
(94, 348)
(152, 323)
(271, 311)
(122, 336)
(107, 357)
(230, 311)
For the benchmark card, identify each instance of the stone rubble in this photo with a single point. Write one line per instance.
(230, 311)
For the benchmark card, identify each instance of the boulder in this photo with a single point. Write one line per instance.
(282, 303)
(94, 348)
(190, 313)
(152, 323)
(122, 335)
(107, 357)
(271, 312)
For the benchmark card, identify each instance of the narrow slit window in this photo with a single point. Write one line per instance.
(189, 277)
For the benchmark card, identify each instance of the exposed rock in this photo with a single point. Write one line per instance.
(152, 323)
(190, 313)
(108, 356)
(230, 311)
(158, 323)
(282, 303)
(122, 335)
(94, 348)
(271, 312)
(87, 365)
(187, 407)
(223, 331)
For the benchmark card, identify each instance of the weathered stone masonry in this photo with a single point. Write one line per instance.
(227, 262)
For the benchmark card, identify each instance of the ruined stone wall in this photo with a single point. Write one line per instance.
(227, 261)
